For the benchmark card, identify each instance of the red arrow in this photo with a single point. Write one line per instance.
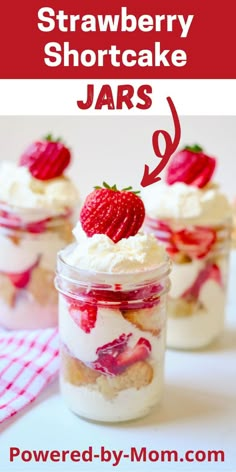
(152, 177)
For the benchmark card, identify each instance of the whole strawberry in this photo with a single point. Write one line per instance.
(191, 166)
(116, 213)
(46, 159)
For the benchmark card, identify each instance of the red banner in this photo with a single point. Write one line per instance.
(91, 39)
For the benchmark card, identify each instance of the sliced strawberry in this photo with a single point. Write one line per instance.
(171, 250)
(215, 274)
(206, 174)
(115, 357)
(143, 297)
(159, 228)
(137, 353)
(21, 280)
(84, 315)
(46, 159)
(196, 243)
(9, 220)
(108, 354)
(141, 293)
(37, 226)
(211, 271)
(161, 225)
(116, 213)
(191, 166)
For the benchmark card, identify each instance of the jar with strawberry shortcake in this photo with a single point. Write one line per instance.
(37, 202)
(234, 224)
(191, 217)
(112, 285)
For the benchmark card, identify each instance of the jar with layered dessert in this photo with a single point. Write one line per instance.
(112, 329)
(193, 221)
(36, 218)
(200, 262)
(28, 249)
(112, 312)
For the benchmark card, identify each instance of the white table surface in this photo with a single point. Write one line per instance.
(198, 412)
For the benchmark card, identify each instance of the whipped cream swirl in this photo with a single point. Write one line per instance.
(137, 253)
(184, 201)
(49, 198)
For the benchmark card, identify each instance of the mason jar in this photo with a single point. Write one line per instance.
(29, 243)
(199, 276)
(112, 334)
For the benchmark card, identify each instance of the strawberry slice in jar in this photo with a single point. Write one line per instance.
(195, 241)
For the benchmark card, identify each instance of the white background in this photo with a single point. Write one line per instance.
(115, 149)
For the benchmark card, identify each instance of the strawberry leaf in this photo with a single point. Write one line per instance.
(195, 148)
(115, 189)
(49, 137)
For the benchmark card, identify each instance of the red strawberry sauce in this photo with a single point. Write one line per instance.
(140, 298)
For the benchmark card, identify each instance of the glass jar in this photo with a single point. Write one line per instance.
(112, 331)
(234, 225)
(197, 298)
(29, 243)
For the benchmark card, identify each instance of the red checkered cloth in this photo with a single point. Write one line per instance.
(29, 360)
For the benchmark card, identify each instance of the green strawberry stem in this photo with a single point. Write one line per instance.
(115, 189)
(49, 137)
(195, 148)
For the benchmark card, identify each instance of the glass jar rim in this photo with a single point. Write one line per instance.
(80, 276)
(40, 209)
(226, 220)
(23, 219)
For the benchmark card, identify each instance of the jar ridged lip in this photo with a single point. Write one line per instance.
(27, 210)
(191, 221)
(28, 215)
(223, 229)
(78, 276)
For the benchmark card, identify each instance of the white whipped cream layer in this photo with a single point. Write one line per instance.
(183, 276)
(46, 198)
(201, 328)
(182, 201)
(137, 253)
(127, 405)
(28, 314)
(17, 258)
(110, 325)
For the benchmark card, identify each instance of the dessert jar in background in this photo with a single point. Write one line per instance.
(193, 221)
(112, 318)
(234, 224)
(36, 217)
(197, 299)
